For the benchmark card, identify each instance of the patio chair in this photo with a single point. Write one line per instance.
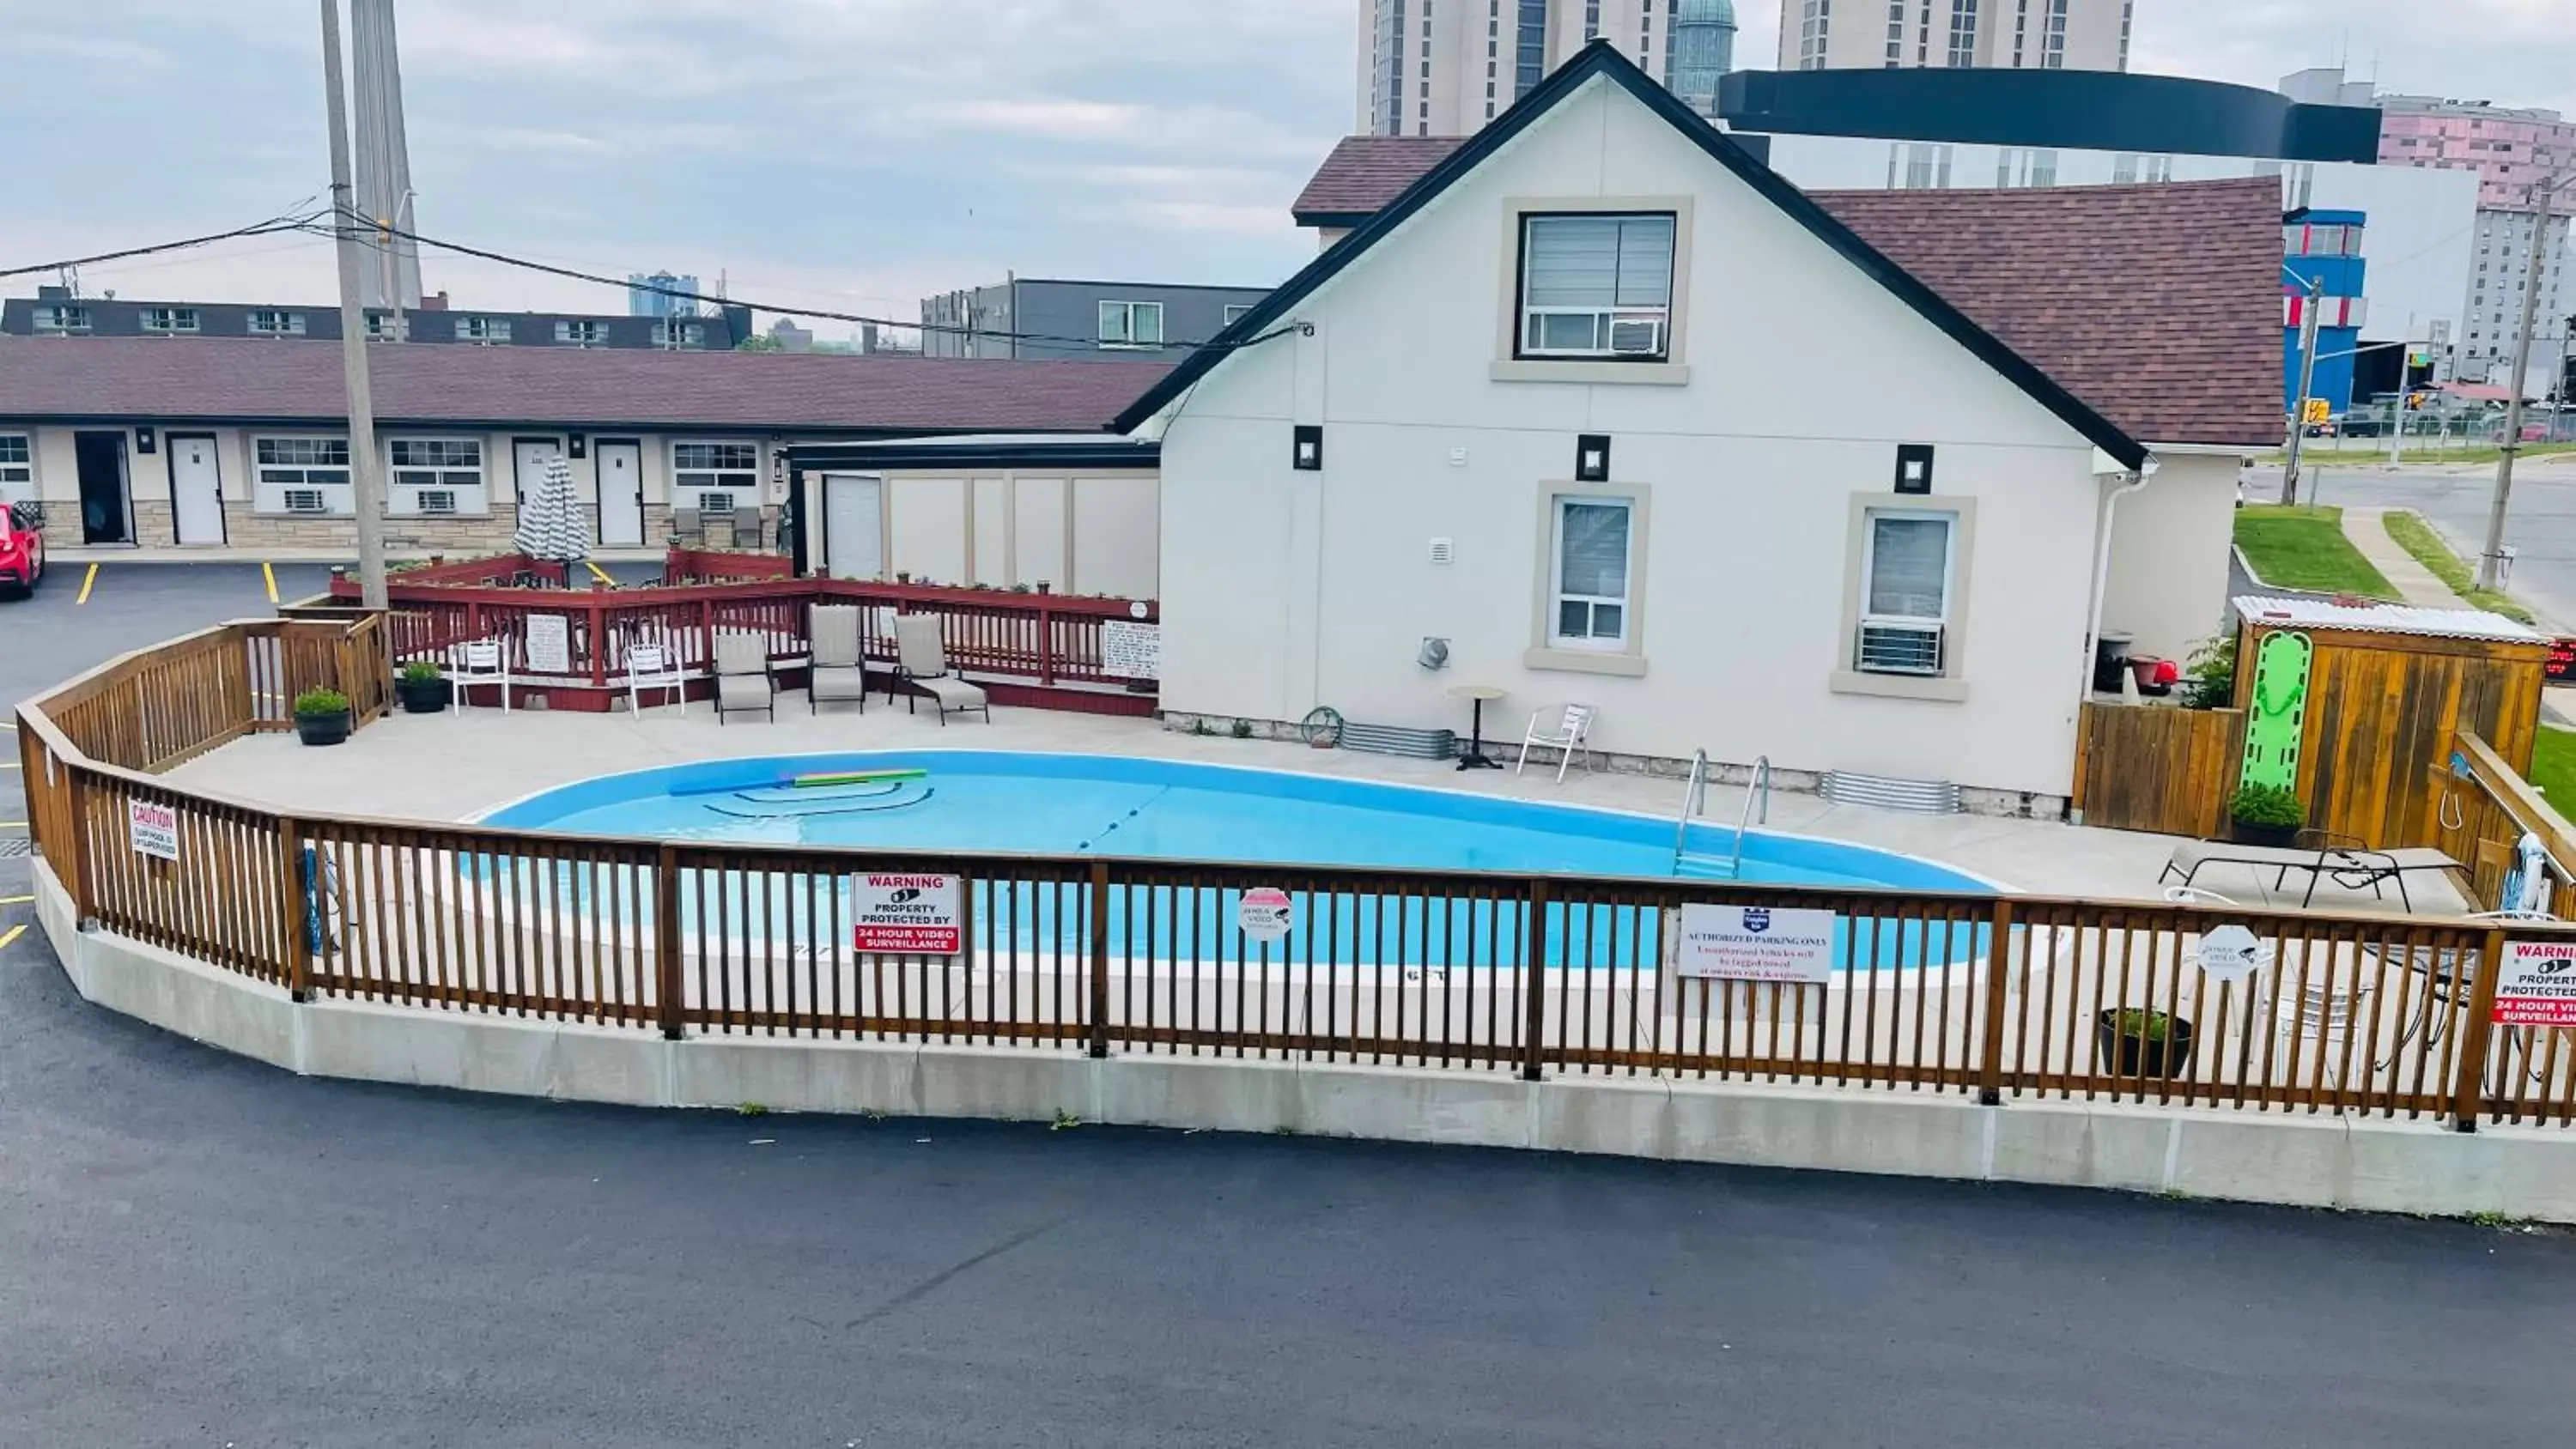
(743, 680)
(2347, 865)
(746, 528)
(480, 661)
(922, 662)
(1571, 732)
(688, 526)
(838, 671)
(654, 667)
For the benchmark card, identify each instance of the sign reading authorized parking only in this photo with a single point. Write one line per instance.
(2538, 984)
(1755, 943)
(913, 914)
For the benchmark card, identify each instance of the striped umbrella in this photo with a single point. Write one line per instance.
(550, 525)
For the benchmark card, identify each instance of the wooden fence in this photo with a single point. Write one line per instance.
(2002, 997)
(2170, 771)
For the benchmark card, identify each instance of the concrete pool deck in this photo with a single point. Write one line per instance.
(451, 766)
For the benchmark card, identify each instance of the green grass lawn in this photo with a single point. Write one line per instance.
(2553, 767)
(2359, 451)
(2304, 548)
(2417, 537)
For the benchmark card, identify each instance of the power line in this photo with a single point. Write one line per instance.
(381, 231)
(293, 221)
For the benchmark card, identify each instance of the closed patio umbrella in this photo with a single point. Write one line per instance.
(550, 525)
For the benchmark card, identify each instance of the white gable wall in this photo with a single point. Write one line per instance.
(1285, 589)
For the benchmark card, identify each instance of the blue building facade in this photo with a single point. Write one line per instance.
(2322, 249)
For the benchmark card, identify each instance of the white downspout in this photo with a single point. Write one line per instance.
(2102, 572)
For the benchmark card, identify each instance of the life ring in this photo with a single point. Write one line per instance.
(1322, 727)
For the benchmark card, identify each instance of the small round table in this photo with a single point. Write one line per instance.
(1474, 758)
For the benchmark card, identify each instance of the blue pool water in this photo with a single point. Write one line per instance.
(1073, 805)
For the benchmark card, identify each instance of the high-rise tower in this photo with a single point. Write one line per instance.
(391, 277)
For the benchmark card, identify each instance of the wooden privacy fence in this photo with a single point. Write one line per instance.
(2167, 770)
(2482, 809)
(2002, 997)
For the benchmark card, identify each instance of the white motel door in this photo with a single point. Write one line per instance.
(621, 494)
(853, 526)
(196, 490)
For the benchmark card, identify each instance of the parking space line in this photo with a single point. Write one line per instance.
(10, 936)
(270, 575)
(16, 900)
(88, 581)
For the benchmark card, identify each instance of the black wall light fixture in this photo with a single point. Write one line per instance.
(1914, 467)
(1592, 458)
(143, 442)
(1309, 455)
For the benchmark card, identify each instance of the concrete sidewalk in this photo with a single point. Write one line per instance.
(2367, 528)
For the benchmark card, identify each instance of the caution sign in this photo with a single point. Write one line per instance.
(2538, 984)
(152, 828)
(908, 914)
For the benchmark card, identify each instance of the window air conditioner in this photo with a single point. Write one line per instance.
(306, 500)
(1637, 337)
(1900, 647)
(438, 500)
(715, 502)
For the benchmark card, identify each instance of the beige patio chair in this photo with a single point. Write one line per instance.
(922, 662)
(688, 526)
(743, 682)
(838, 672)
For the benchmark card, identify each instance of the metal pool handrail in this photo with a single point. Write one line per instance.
(1694, 800)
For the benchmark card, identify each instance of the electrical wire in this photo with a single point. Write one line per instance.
(289, 221)
(365, 226)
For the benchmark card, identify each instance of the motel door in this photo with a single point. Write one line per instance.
(620, 466)
(196, 490)
(853, 526)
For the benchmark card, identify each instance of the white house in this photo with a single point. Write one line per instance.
(1562, 404)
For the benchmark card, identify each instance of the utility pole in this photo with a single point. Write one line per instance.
(366, 471)
(2490, 563)
(2307, 380)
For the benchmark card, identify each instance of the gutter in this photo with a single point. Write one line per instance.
(2102, 569)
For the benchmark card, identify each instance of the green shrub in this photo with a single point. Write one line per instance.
(421, 671)
(1243, 729)
(2143, 1024)
(321, 701)
(2211, 675)
(2268, 805)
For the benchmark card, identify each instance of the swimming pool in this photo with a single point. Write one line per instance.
(1076, 805)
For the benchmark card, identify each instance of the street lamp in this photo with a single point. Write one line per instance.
(2491, 562)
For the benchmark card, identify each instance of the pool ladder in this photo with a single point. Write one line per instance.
(1695, 800)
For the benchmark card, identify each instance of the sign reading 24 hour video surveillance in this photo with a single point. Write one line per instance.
(2538, 984)
(1756, 943)
(908, 914)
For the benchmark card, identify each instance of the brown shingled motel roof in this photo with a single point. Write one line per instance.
(2157, 305)
(256, 380)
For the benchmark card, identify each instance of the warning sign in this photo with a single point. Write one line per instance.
(912, 914)
(2538, 984)
(1263, 914)
(1755, 943)
(153, 828)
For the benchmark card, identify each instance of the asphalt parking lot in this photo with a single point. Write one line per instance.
(196, 1250)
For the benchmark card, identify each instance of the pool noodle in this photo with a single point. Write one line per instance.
(809, 814)
(856, 777)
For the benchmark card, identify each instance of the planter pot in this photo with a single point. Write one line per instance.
(424, 696)
(322, 729)
(2126, 1054)
(2283, 836)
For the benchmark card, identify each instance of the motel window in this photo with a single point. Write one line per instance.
(667, 333)
(267, 322)
(301, 475)
(17, 467)
(386, 327)
(715, 476)
(1131, 324)
(581, 334)
(484, 331)
(169, 319)
(1906, 564)
(62, 319)
(435, 477)
(1597, 285)
(1235, 311)
(1589, 607)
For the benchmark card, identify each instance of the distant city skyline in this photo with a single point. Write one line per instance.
(2006, 34)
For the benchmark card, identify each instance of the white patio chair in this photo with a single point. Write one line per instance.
(837, 670)
(1572, 732)
(480, 661)
(922, 662)
(743, 681)
(654, 667)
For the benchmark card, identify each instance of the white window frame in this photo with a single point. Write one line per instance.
(1524, 341)
(288, 324)
(17, 467)
(1124, 335)
(270, 480)
(692, 332)
(690, 485)
(483, 331)
(406, 481)
(1552, 650)
(168, 319)
(1237, 311)
(66, 319)
(387, 324)
(593, 333)
(1959, 514)
(1558, 598)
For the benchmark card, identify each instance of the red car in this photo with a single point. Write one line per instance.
(22, 547)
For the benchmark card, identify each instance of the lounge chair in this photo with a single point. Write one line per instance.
(1571, 732)
(654, 668)
(922, 662)
(2349, 866)
(837, 672)
(742, 676)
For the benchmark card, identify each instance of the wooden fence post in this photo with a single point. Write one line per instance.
(2477, 1038)
(667, 976)
(1534, 984)
(84, 906)
(1046, 645)
(1990, 1059)
(1100, 958)
(296, 963)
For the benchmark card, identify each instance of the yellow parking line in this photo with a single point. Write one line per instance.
(270, 575)
(88, 581)
(15, 900)
(8, 937)
(13, 824)
(598, 573)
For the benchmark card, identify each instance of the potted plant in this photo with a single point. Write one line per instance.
(423, 689)
(2267, 815)
(322, 716)
(2137, 1042)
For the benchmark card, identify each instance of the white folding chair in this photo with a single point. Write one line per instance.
(1573, 732)
(654, 667)
(480, 661)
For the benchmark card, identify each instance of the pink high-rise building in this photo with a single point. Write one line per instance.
(2512, 150)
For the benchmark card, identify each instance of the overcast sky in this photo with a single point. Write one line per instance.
(856, 155)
